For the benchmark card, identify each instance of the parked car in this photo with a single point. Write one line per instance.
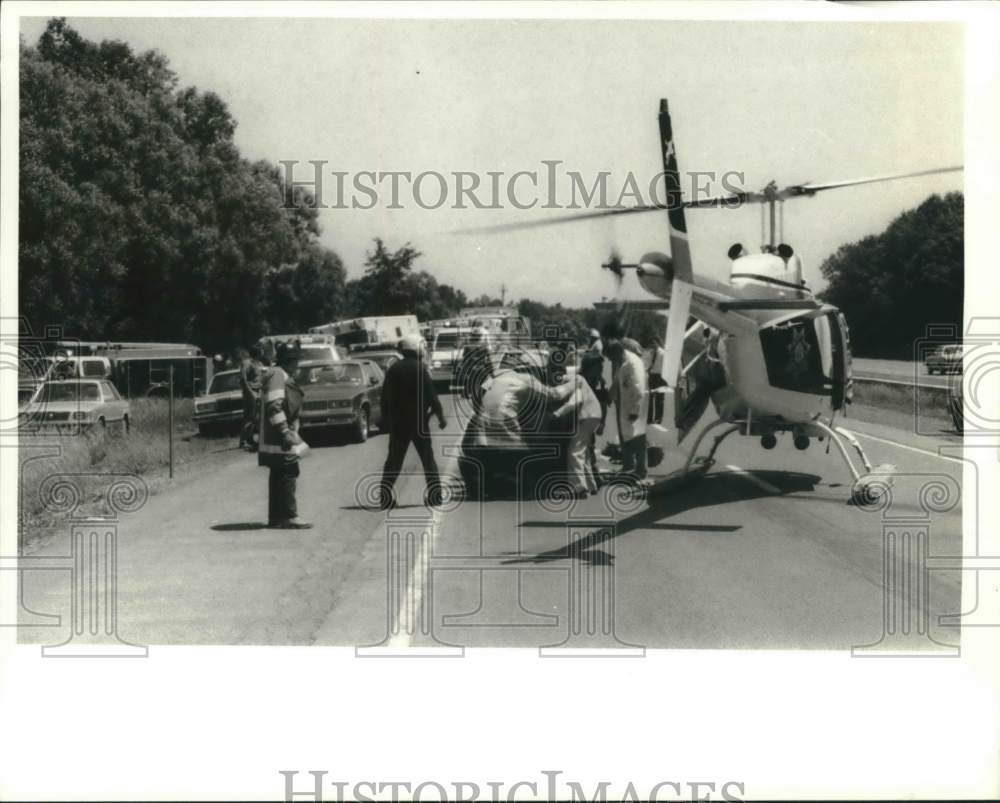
(446, 349)
(74, 406)
(944, 360)
(341, 394)
(221, 409)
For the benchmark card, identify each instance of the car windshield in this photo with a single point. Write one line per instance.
(224, 383)
(93, 368)
(329, 373)
(446, 340)
(69, 392)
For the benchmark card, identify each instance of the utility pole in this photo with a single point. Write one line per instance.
(503, 295)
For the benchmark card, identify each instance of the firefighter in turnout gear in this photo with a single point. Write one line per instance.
(281, 447)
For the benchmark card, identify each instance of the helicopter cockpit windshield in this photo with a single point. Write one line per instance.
(799, 354)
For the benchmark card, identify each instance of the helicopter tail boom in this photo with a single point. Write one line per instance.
(680, 252)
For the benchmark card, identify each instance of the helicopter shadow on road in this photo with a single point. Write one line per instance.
(711, 490)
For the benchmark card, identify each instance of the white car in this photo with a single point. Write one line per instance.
(74, 406)
(446, 350)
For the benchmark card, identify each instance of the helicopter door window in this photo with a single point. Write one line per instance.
(823, 336)
(797, 356)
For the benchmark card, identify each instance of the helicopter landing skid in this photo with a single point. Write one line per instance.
(866, 489)
(870, 486)
(694, 463)
(694, 467)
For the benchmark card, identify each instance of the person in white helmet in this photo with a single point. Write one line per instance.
(408, 400)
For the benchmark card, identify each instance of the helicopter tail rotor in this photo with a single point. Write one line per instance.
(614, 264)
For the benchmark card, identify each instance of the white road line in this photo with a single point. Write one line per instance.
(412, 598)
(904, 446)
(771, 489)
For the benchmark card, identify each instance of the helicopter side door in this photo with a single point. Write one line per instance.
(810, 354)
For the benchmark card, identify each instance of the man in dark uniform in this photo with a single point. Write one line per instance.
(408, 399)
(250, 372)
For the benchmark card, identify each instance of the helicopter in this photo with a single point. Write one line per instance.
(761, 348)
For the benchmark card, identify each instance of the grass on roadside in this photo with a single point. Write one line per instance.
(88, 459)
(902, 398)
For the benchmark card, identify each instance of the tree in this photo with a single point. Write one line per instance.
(139, 218)
(390, 286)
(891, 286)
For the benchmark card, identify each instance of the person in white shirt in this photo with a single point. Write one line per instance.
(582, 401)
(629, 392)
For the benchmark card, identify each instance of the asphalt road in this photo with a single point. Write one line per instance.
(764, 552)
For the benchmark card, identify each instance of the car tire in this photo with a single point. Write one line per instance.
(126, 425)
(361, 426)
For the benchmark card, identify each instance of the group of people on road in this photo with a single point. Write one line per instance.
(409, 401)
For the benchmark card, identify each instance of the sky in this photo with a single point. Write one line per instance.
(793, 102)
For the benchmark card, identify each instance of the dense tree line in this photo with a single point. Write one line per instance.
(573, 323)
(890, 286)
(139, 218)
(391, 286)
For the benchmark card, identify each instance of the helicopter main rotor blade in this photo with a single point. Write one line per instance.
(733, 201)
(796, 190)
(728, 200)
(554, 221)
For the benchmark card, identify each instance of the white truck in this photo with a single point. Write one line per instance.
(382, 330)
(505, 324)
(447, 346)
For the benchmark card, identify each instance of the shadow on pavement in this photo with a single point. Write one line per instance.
(713, 489)
(239, 526)
(376, 508)
(333, 436)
